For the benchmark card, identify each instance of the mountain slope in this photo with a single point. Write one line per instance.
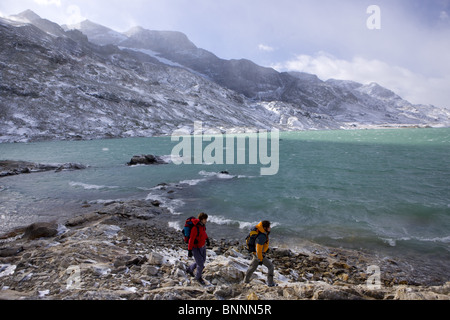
(29, 17)
(68, 88)
(307, 92)
(97, 34)
(55, 83)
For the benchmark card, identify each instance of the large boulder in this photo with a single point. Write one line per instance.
(41, 230)
(146, 159)
(70, 167)
(155, 258)
(9, 252)
(223, 270)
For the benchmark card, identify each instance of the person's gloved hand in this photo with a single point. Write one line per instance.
(189, 253)
(207, 242)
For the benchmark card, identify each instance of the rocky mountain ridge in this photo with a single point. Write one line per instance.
(88, 81)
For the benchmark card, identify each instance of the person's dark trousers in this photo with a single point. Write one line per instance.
(254, 265)
(200, 259)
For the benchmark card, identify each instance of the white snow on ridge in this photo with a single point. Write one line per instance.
(155, 55)
(165, 61)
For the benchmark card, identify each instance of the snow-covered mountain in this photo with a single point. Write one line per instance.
(88, 81)
(97, 34)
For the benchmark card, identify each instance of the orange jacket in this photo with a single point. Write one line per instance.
(262, 241)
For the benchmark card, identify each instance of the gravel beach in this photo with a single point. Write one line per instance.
(124, 252)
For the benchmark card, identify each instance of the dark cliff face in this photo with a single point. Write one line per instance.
(58, 83)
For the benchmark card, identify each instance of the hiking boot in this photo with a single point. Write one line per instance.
(273, 284)
(190, 272)
(201, 281)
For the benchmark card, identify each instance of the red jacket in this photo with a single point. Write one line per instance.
(197, 238)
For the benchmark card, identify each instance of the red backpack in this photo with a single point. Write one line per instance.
(187, 229)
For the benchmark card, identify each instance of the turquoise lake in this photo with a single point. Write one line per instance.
(384, 191)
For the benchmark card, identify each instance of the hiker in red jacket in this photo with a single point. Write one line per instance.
(197, 248)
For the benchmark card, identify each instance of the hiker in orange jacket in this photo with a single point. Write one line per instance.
(197, 248)
(262, 245)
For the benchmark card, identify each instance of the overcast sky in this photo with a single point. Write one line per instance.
(409, 54)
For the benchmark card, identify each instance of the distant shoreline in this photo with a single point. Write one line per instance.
(16, 167)
(349, 127)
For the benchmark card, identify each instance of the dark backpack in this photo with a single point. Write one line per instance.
(187, 229)
(251, 239)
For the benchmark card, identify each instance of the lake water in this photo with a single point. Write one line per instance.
(384, 191)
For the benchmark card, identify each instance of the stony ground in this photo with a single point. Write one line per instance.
(120, 252)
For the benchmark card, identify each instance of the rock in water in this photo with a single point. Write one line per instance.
(146, 159)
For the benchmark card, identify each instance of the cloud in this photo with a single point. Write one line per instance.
(48, 2)
(75, 15)
(411, 86)
(265, 48)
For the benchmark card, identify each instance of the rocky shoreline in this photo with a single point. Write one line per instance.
(12, 167)
(124, 252)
